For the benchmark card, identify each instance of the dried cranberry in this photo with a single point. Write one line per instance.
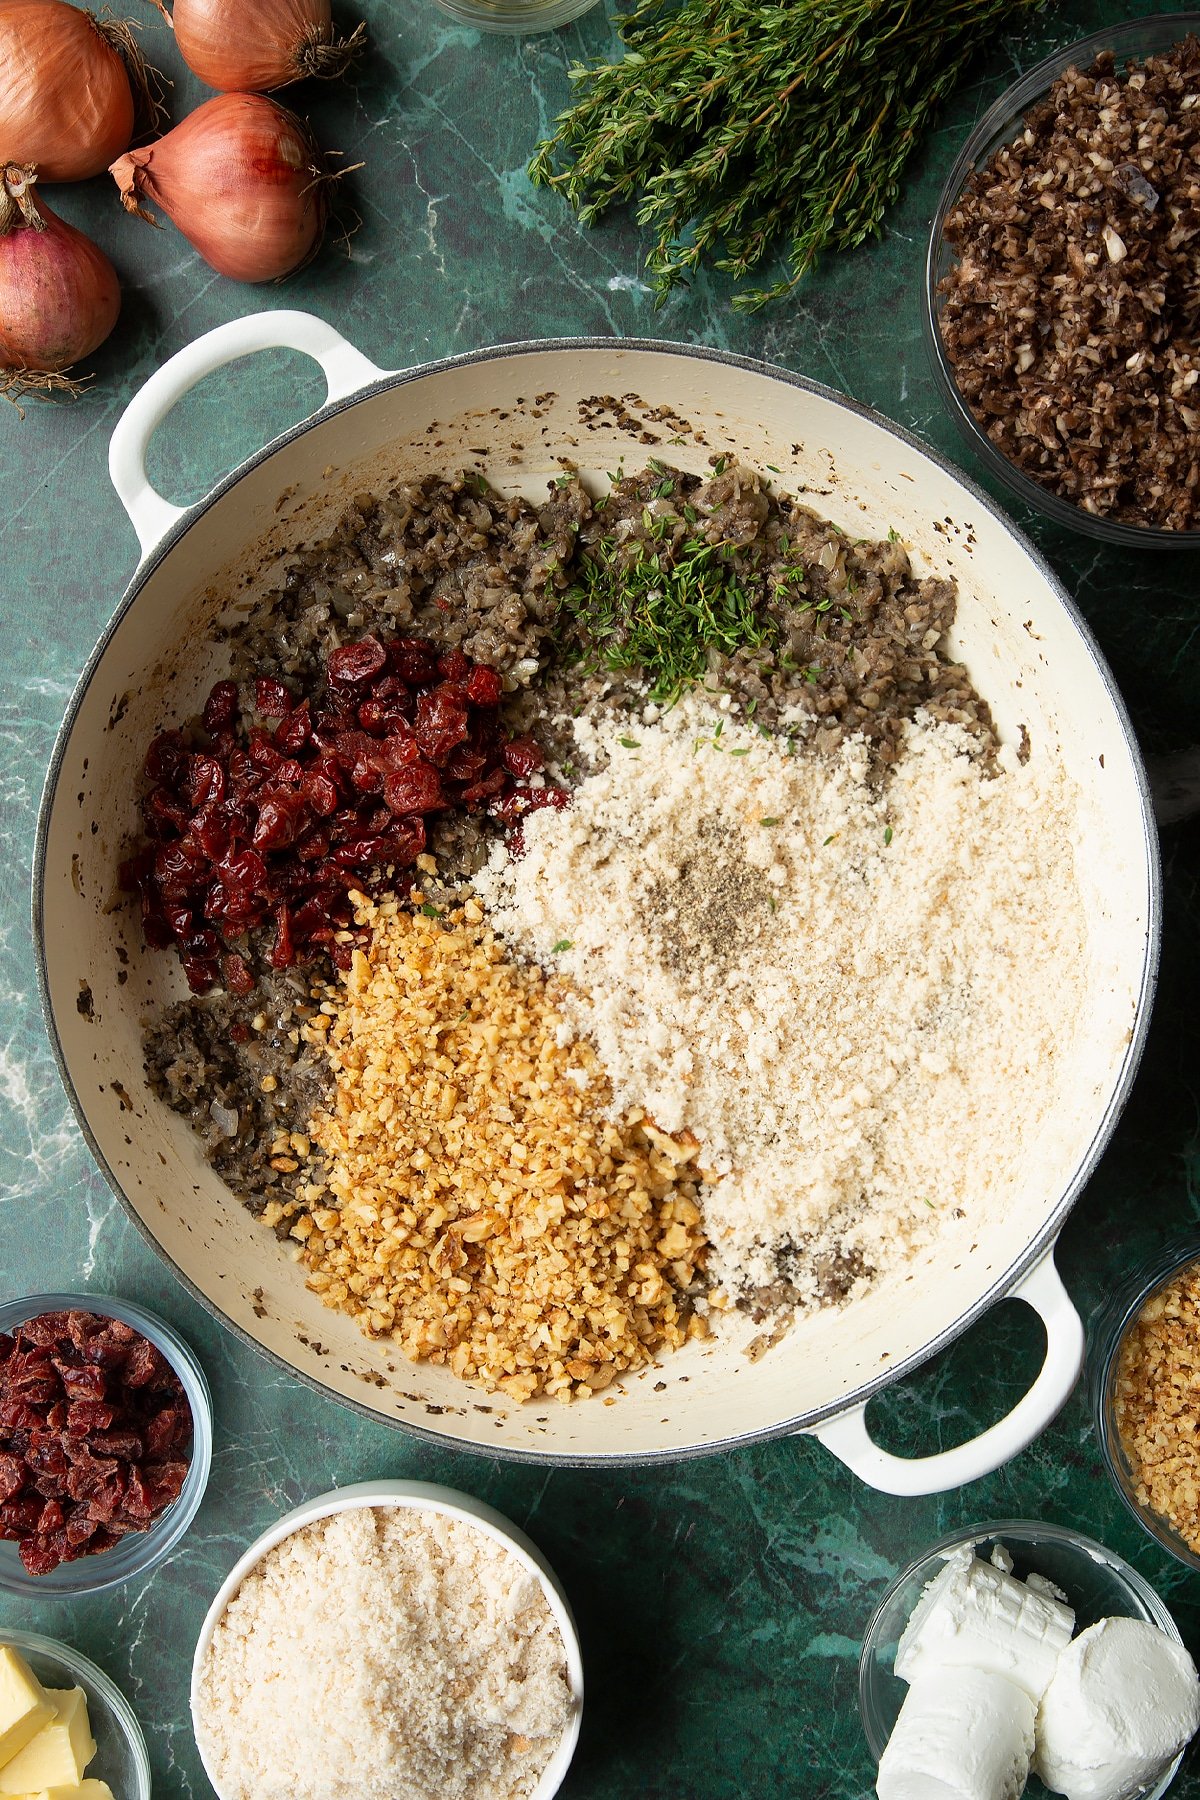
(277, 823)
(145, 1365)
(522, 757)
(243, 870)
(201, 974)
(18, 1518)
(138, 1504)
(271, 697)
(166, 1430)
(52, 1517)
(38, 1555)
(210, 833)
(221, 706)
(205, 781)
(37, 1391)
(238, 979)
(165, 816)
(484, 686)
(165, 1481)
(166, 756)
(441, 723)
(283, 955)
(294, 731)
(12, 1476)
(81, 1383)
(485, 788)
(16, 1415)
(417, 789)
(414, 661)
(354, 663)
(320, 793)
(262, 752)
(87, 1416)
(453, 666)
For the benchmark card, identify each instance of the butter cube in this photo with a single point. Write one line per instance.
(87, 1790)
(58, 1754)
(24, 1708)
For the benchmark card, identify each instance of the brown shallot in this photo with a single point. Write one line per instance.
(241, 49)
(59, 296)
(242, 178)
(71, 88)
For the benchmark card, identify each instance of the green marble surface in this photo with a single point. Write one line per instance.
(721, 1603)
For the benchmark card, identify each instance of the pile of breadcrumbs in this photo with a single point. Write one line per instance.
(1158, 1404)
(857, 996)
(470, 1195)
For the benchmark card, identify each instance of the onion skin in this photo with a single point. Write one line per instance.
(237, 48)
(65, 100)
(59, 294)
(244, 181)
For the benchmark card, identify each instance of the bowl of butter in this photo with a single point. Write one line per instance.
(66, 1731)
(1023, 1658)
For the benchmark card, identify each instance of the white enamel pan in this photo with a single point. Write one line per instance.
(514, 411)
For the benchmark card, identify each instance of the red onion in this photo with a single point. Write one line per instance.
(244, 181)
(59, 296)
(70, 88)
(248, 49)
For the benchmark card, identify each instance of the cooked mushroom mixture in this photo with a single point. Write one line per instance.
(1072, 313)
(455, 687)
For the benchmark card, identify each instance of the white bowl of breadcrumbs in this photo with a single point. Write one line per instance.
(388, 1641)
(1146, 1397)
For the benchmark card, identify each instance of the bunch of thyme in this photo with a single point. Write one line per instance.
(660, 611)
(748, 124)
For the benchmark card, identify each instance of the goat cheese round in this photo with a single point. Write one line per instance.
(961, 1736)
(977, 1614)
(1124, 1700)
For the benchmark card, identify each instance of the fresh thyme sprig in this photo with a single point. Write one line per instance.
(661, 610)
(747, 125)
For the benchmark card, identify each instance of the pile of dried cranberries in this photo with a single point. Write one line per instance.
(250, 825)
(95, 1436)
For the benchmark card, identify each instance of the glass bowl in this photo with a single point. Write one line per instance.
(1109, 1332)
(120, 1757)
(140, 1551)
(419, 1496)
(1097, 1582)
(1000, 125)
(515, 16)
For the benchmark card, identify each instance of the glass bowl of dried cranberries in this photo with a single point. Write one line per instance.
(105, 1442)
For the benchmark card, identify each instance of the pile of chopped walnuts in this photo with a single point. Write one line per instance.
(468, 1196)
(1158, 1404)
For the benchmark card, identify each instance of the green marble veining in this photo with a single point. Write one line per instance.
(722, 1603)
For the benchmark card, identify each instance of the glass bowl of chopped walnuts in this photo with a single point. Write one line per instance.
(1146, 1397)
(105, 1442)
(1056, 286)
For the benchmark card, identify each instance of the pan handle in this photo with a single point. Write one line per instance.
(850, 1441)
(346, 370)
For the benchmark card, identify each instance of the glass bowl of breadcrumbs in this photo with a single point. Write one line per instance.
(1146, 1396)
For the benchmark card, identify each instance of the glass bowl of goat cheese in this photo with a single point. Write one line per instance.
(1048, 1611)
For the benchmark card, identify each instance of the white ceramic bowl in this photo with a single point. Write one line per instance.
(418, 1496)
